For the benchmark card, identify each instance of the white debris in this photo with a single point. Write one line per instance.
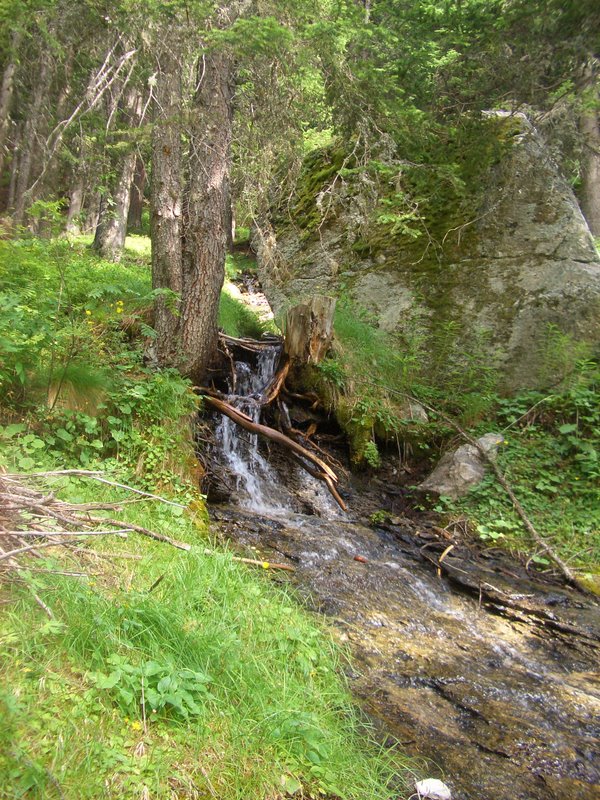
(432, 789)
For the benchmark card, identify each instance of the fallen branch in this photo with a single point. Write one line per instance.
(566, 571)
(243, 420)
(252, 345)
(273, 389)
(159, 537)
(96, 476)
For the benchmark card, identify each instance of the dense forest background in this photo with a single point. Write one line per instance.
(192, 112)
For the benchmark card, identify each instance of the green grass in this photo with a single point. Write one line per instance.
(269, 707)
(236, 319)
(551, 457)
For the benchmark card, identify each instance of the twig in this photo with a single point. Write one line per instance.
(42, 605)
(84, 473)
(159, 537)
(527, 523)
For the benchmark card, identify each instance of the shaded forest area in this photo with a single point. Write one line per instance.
(192, 113)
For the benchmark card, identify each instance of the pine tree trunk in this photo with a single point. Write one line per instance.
(208, 214)
(589, 126)
(92, 214)
(111, 230)
(73, 226)
(14, 170)
(165, 204)
(136, 199)
(31, 136)
(6, 93)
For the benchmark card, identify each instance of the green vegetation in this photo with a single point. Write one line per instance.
(552, 458)
(552, 455)
(161, 673)
(215, 678)
(371, 376)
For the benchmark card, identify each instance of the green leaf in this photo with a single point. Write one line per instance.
(64, 435)
(570, 427)
(13, 430)
(108, 681)
(290, 785)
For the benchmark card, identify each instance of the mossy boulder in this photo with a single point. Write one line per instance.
(492, 246)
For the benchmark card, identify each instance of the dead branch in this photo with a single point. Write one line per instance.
(244, 421)
(252, 345)
(273, 389)
(96, 476)
(159, 537)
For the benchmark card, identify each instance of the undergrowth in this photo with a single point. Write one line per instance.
(374, 379)
(551, 456)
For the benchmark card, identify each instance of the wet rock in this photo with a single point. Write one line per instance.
(459, 471)
(508, 706)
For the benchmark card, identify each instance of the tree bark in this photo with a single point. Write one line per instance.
(208, 203)
(166, 204)
(136, 199)
(73, 226)
(589, 126)
(6, 93)
(31, 135)
(111, 230)
(309, 330)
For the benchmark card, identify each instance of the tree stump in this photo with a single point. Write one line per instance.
(308, 330)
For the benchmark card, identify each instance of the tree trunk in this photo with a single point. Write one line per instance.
(136, 199)
(111, 230)
(165, 205)
(92, 214)
(589, 126)
(73, 226)
(31, 135)
(6, 93)
(208, 204)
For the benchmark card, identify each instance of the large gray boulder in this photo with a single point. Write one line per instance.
(519, 273)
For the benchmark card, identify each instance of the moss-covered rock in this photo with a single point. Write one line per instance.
(482, 239)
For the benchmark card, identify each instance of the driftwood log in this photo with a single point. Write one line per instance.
(321, 470)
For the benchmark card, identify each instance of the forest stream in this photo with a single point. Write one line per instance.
(458, 653)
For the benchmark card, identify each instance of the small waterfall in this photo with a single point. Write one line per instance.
(256, 483)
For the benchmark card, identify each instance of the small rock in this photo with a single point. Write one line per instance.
(459, 471)
(433, 789)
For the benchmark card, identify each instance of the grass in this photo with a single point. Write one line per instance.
(551, 457)
(269, 707)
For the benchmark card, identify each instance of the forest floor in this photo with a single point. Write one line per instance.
(137, 670)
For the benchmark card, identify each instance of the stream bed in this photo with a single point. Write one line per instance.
(488, 673)
(459, 654)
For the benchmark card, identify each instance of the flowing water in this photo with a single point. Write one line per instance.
(486, 672)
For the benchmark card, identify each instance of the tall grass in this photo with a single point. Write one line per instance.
(273, 712)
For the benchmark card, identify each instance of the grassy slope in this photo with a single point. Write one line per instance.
(247, 688)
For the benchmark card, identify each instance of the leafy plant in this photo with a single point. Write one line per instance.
(154, 687)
